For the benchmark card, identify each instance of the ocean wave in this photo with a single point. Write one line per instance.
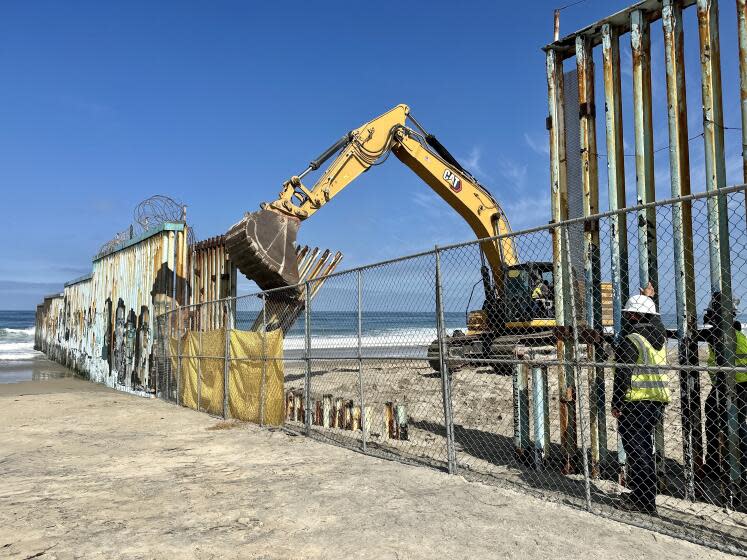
(6, 347)
(19, 356)
(17, 335)
(394, 338)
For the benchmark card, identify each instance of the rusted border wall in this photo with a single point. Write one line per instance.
(634, 24)
(213, 276)
(101, 325)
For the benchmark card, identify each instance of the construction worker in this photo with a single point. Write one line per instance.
(541, 297)
(639, 396)
(715, 404)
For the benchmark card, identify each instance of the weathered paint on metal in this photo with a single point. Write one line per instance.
(742, 38)
(718, 228)
(615, 171)
(559, 206)
(620, 21)
(592, 264)
(684, 274)
(640, 48)
(102, 326)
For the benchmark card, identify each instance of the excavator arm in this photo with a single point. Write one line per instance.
(261, 244)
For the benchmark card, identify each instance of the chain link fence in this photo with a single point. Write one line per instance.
(513, 373)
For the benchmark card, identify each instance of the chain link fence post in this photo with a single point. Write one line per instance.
(307, 346)
(199, 367)
(360, 360)
(263, 382)
(445, 375)
(226, 358)
(179, 353)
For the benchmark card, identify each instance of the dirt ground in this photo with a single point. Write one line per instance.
(87, 472)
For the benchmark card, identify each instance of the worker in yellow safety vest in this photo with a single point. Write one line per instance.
(715, 404)
(640, 393)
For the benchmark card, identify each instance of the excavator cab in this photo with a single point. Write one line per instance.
(528, 296)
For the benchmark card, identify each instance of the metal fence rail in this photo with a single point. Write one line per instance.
(384, 360)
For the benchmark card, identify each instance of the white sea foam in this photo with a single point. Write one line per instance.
(28, 332)
(17, 344)
(413, 337)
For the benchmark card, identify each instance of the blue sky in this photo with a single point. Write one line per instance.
(216, 104)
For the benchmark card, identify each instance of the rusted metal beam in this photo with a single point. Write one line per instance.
(742, 37)
(718, 227)
(615, 179)
(565, 47)
(615, 171)
(640, 48)
(561, 276)
(682, 237)
(592, 265)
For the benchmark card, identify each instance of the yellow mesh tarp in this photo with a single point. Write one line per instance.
(203, 356)
(245, 376)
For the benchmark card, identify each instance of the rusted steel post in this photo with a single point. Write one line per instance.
(718, 228)
(742, 38)
(443, 366)
(682, 236)
(615, 180)
(364, 435)
(561, 278)
(307, 346)
(521, 412)
(226, 360)
(326, 411)
(640, 48)
(592, 259)
(580, 387)
(615, 170)
(263, 383)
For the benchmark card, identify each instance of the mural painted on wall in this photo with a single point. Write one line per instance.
(102, 325)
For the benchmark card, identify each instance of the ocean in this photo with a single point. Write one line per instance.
(17, 336)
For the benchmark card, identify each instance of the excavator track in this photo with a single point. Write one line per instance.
(262, 246)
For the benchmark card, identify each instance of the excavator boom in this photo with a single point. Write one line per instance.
(262, 245)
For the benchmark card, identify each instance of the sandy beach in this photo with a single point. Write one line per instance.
(89, 472)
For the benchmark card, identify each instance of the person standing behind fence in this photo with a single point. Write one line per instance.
(639, 396)
(715, 404)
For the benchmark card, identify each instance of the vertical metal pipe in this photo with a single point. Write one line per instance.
(307, 346)
(445, 374)
(226, 360)
(179, 353)
(682, 237)
(579, 387)
(640, 47)
(521, 412)
(718, 228)
(615, 180)
(199, 371)
(364, 435)
(742, 35)
(540, 404)
(592, 258)
(263, 382)
(615, 170)
(559, 204)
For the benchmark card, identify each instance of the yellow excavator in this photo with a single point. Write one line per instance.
(262, 244)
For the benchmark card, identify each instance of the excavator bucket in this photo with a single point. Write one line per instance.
(262, 246)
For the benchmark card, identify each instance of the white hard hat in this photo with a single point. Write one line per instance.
(641, 304)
